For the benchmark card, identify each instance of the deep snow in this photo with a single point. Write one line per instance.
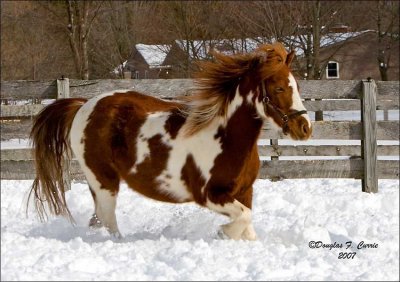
(180, 242)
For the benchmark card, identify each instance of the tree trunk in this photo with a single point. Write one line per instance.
(71, 8)
(316, 29)
(78, 35)
(84, 40)
(382, 57)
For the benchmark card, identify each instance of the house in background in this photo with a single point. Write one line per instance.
(176, 60)
(357, 58)
(344, 55)
(352, 56)
(151, 62)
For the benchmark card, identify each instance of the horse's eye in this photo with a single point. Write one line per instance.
(279, 90)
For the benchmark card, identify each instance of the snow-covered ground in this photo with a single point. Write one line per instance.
(180, 242)
(304, 229)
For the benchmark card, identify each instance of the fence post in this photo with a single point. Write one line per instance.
(274, 144)
(63, 93)
(62, 88)
(319, 115)
(368, 142)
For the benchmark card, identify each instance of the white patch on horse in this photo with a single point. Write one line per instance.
(297, 103)
(153, 125)
(260, 107)
(235, 103)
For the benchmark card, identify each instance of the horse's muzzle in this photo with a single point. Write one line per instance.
(298, 128)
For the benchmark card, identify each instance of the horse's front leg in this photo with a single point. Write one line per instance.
(241, 226)
(246, 198)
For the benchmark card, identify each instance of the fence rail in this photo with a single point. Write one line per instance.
(364, 96)
(18, 164)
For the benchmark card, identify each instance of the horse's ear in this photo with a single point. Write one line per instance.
(290, 58)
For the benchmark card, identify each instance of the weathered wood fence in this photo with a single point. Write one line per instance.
(361, 160)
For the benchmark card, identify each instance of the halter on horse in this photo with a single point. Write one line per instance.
(202, 148)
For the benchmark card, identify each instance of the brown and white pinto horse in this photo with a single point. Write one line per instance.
(200, 148)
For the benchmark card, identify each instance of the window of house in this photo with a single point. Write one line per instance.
(332, 69)
(137, 74)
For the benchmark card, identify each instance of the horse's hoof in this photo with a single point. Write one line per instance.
(249, 237)
(249, 234)
(222, 235)
(116, 235)
(94, 222)
(231, 231)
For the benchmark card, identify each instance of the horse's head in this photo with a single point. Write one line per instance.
(264, 81)
(277, 98)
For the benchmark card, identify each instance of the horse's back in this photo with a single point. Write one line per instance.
(108, 123)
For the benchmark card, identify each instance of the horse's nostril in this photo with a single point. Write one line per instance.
(305, 129)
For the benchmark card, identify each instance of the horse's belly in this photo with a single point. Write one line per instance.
(165, 187)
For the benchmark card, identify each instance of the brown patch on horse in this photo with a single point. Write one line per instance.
(241, 156)
(174, 123)
(193, 179)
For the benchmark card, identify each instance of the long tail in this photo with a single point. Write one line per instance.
(52, 151)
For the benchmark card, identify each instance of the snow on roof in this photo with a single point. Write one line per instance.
(154, 55)
(199, 49)
(326, 40)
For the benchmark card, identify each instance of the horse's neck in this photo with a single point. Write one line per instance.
(242, 124)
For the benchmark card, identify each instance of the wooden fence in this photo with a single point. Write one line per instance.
(361, 160)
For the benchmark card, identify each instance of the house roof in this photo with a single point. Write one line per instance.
(154, 55)
(326, 40)
(199, 49)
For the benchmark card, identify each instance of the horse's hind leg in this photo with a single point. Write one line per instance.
(94, 221)
(105, 200)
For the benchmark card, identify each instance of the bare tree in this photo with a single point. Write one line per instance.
(387, 23)
(81, 15)
(31, 48)
(195, 26)
(118, 28)
(75, 18)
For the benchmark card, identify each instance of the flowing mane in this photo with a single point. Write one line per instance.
(216, 82)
